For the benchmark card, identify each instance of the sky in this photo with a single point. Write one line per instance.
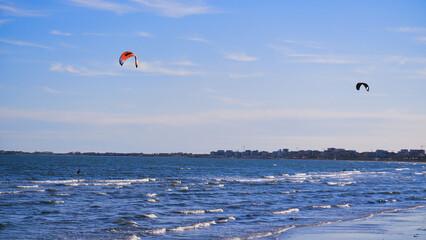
(232, 75)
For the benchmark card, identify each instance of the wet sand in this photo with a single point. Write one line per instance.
(398, 225)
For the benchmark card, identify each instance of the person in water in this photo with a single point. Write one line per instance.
(78, 171)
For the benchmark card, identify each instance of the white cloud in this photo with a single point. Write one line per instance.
(195, 39)
(326, 59)
(19, 12)
(104, 5)
(56, 32)
(176, 9)
(97, 34)
(3, 21)
(408, 29)
(241, 57)
(185, 63)
(49, 90)
(305, 44)
(214, 94)
(205, 118)
(421, 40)
(246, 75)
(21, 43)
(157, 67)
(60, 67)
(144, 34)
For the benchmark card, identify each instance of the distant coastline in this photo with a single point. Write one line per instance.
(404, 155)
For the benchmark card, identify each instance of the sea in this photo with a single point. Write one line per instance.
(112, 197)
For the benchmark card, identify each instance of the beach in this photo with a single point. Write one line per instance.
(397, 225)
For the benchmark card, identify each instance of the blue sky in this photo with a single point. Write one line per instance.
(212, 75)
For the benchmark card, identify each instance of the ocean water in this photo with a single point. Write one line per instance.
(43, 197)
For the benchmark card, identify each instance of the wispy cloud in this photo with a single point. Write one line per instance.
(56, 32)
(305, 43)
(60, 67)
(241, 57)
(97, 34)
(325, 59)
(204, 118)
(3, 21)
(314, 58)
(104, 5)
(195, 39)
(176, 9)
(158, 68)
(19, 12)
(144, 34)
(214, 94)
(408, 29)
(22, 43)
(49, 90)
(421, 40)
(185, 63)
(246, 75)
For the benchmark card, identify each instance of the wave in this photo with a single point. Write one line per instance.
(192, 227)
(156, 231)
(190, 211)
(225, 220)
(321, 206)
(61, 194)
(133, 237)
(151, 215)
(342, 205)
(11, 192)
(52, 202)
(29, 186)
(290, 210)
(341, 184)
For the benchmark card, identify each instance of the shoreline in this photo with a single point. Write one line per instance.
(205, 156)
(407, 223)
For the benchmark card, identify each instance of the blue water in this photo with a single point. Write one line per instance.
(43, 197)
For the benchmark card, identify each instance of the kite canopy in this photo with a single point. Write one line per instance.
(358, 85)
(127, 55)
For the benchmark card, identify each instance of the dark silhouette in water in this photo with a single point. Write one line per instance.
(78, 171)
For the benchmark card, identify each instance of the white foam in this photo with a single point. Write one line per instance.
(100, 193)
(342, 205)
(215, 210)
(40, 190)
(133, 237)
(401, 169)
(54, 202)
(61, 194)
(341, 184)
(322, 206)
(156, 231)
(191, 211)
(269, 177)
(30, 186)
(59, 181)
(152, 200)
(151, 215)
(225, 220)
(193, 227)
(291, 210)
(72, 184)
(11, 192)
(151, 195)
(219, 185)
(182, 188)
